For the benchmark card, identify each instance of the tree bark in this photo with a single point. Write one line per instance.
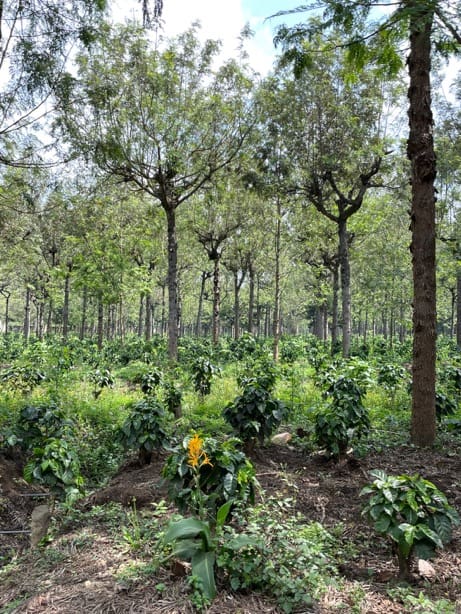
(276, 328)
(173, 314)
(458, 308)
(65, 307)
(251, 297)
(26, 325)
(100, 322)
(84, 309)
(420, 151)
(334, 310)
(216, 299)
(345, 271)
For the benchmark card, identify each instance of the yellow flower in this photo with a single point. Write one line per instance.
(197, 457)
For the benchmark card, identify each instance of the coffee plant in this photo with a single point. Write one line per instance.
(412, 513)
(343, 420)
(145, 429)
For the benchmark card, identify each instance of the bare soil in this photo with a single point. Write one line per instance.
(78, 572)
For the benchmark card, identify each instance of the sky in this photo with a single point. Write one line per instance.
(224, 20)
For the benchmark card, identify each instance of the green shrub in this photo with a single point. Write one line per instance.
(281, 556)
(343, 420)
(412, 513)
(145, 428)
(254, 414)
(203, 371)
(37, 423)
(55, 465)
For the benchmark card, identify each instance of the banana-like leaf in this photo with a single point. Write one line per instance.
(203, 568)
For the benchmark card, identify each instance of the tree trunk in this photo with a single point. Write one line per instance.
(345, 285)
(26, 325)
(216, 299)
(65, 307)
(84, 309)
(173, 314)
(100, 322)
(276, 328)
(140, 314)
(458, 308)
(420, 151)
(198, 322)
(251, 297)
(334, 311)
(148, 318)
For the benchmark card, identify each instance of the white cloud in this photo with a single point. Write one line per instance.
(223, 21)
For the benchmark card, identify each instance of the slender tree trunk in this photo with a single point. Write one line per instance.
(140, 315)
(276, 328)
(216, 299)
(420, 150)
(65, 307)
(236, 305)
(84, 311)
(148, 318)
(7, 295)
(345, 285)
(100, 333)
(26, 325)
(334, 311)
(251, 297)
(198, 322)
(458, 308)
(173, 317)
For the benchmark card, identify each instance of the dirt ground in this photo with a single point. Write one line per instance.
(82, 576)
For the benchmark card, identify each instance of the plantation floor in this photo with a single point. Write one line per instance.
(79, 572)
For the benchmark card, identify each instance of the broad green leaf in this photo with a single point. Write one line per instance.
(203, 568)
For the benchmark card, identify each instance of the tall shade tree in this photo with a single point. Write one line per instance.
(427, 25)
(36, 39)
(164, 120)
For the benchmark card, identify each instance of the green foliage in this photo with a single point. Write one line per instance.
(37, 423)
(57, 466)
(343, 420)
(203, 371)
(278, 555)
(412, 512)
(151, 380)
(390, 375)
(23, 378)
(255, 414)
(228, 476)
(145, 428)
(101, 378)
(444, 405)
(193, 540)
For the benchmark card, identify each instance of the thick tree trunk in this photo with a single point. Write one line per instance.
(420, 150)
(173, 313)
(345, 285)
